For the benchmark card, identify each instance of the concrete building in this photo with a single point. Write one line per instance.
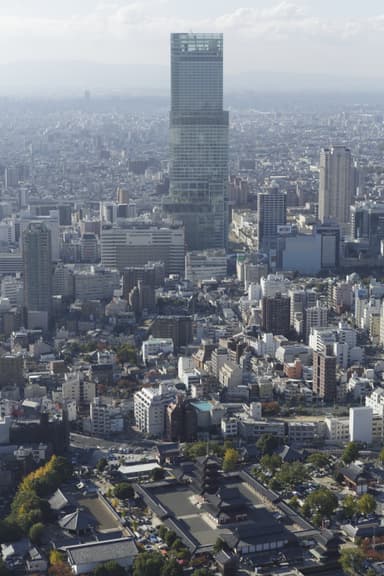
(95, 283)
(205, 265)
(37, 258)
(271, 215)
(337, 184)
(135, 244)
(360, 424)
(154, 346)
(276, 314)
(149, 408)
(324, 376)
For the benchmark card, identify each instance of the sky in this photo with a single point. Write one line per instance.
(339, 38)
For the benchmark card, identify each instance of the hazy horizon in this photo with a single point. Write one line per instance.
(123, 45)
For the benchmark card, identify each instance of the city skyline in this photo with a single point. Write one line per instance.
(283, 38)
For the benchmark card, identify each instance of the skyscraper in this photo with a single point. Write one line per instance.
(198, 140)
(271, 213)
(337, 184)
(37, 258)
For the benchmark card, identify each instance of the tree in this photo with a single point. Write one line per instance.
(126, 354)
(158, 474)
(351, 561)
(56, 557)
(350, 506)
(320, 504)
(231, 459)
(9, 531)
(219, 545)
(171, 568)
(267, 444)
(351, 452)
(170, 537)
(291, 474)
(102, 464)
(381, 456)
(111, 568)
(162, 531)
(366, 504)
(271, 463)
(318, 460)
(60, 569)
(148, 564)
(124, 490)
(35, 533)
(202, 572)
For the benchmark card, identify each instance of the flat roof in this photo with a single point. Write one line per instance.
(138, 468)
(203, 405)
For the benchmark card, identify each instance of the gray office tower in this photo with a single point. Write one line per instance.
(37, 259)
(198, 140)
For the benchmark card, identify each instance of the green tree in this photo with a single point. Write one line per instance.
(318, 460)
(102, 464)
(231, 459)
(158, 474)
(219, 545)
(202, 572)
(148, 564)
(291, 474)
(36, 532)
(172, 568)
(124, 490)
(366, 504)
(381, 456)
(163, 530)
(111, 568)
(351, 561)
(170, 537)
(271, 462)
(9, 531)
(267, 444)
(126, 354)
(320, 504)
(350, 506)
(351, 452)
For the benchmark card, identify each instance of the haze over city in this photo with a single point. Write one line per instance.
(122, 45)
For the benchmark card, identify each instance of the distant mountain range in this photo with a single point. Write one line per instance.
(73, 78)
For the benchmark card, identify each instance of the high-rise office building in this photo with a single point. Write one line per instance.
(337, 184)
(271, 213)
(198, 140)
(37, 259)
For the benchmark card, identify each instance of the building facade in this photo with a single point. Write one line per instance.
(198, 140)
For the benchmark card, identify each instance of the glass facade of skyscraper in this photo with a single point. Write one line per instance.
(198, 140)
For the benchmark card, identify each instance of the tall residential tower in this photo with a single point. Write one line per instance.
(198, 140)
(337, 185)
(37, 259)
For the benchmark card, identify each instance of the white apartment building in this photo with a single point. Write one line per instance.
(274, 284)
(376, 401)
(104, 419)
(230, 375)
(154, 346)
(149, 408)
(76, 388)
(337, 429)
(229, 427)
(360, 424)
